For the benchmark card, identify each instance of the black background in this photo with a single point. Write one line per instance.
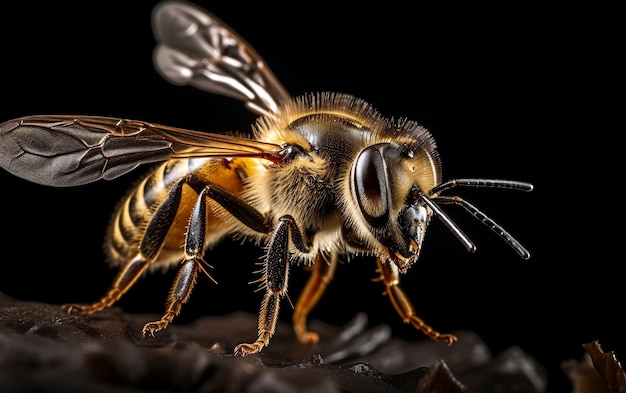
(507, 93)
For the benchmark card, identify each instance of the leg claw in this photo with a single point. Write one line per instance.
(447, 338)
(308, 338)
(151, 327)
(248, 349)
(76, 309)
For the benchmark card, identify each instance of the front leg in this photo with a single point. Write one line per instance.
(390, 276)
(275, 274)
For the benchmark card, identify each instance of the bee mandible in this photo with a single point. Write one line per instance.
(323, 176)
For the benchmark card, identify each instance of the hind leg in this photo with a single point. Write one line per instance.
(149, 248)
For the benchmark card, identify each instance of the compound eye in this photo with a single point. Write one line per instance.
(371, 186)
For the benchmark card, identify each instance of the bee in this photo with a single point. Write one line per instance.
(323, 177)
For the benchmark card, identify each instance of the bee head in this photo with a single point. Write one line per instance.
(387, 180)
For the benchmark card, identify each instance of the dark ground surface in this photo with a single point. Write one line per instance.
(517, 94)
(45, 350)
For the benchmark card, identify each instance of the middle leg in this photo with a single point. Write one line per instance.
(323, 272)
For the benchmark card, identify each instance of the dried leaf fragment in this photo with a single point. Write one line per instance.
(607, 365)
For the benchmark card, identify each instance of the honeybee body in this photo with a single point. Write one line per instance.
(312, 187)
(323, 177)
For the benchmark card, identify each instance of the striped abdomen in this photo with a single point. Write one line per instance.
(135, 211)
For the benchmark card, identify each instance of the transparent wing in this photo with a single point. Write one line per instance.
(68, 151)
(196, 48)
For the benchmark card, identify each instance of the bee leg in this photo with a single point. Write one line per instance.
(192, 263)
(184, 283)
(275, 273)
(194, 247)
(148, 250)
(322, 274)
(391, 278)
(124, 280)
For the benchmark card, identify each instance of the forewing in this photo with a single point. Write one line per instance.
(196, 48)
(65, 151)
